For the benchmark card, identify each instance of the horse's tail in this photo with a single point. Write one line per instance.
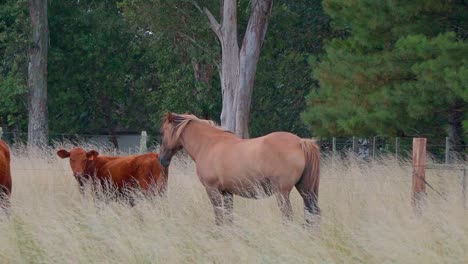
(309, 181)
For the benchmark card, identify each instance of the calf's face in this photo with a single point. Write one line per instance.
(79, 159)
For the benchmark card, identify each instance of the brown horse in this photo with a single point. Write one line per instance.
(5, 175)
(228, 165)
(141, 171)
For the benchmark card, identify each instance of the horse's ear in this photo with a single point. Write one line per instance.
(92, 154)
(63, 153)
(170, 117)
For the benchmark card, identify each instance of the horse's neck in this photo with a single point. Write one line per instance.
(195, 136)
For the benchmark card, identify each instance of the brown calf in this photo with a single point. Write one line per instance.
(141, 171)
(5, 175)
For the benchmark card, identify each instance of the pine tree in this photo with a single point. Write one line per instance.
(401, 69)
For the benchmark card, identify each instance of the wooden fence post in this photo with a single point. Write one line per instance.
(419, 172)
(143, 139)
(1, 132)
(397, 147)
(354, 144)
(373, 148)
(464, 186)
(334, 145)
(447, 150)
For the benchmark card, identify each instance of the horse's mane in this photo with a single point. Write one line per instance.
(180, 121)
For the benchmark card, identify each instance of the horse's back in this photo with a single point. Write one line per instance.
(274, 147)
(5, 174)
(280, 153)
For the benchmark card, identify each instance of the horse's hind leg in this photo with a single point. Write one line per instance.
(311, 209)
(285, 205)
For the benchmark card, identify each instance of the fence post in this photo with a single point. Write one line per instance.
(397, 147)
(447, 150)
(373, 148)
(419, 172)
(354, 144)
(334, 145)
(143, 139)
(464, 185)
(1, 132)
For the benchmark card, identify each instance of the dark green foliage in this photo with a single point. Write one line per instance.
(181, 53)
(90, 65)
(117, 66)
(107, 76)
(296, 31)
(400, 69)
(13, 68)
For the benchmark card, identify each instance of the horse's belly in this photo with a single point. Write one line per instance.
(252, 189)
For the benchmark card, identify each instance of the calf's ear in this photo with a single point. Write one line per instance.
(92, 154)
(63, 154)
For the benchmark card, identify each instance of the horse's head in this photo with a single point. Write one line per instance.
(172, 127)
(79, 159)
(170, 138)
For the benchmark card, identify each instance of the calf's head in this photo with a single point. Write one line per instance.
(79, 159)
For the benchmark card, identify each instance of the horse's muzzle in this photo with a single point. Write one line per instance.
(164, 161)
(78, 174)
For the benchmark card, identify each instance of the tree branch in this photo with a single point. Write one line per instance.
(196, 44)
(214, 24)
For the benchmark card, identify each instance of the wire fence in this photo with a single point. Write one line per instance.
(371, 148)
(129, 143)
(366, 148)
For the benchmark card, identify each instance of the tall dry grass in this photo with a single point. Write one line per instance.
(366, 218)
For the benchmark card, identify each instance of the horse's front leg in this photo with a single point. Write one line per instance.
(222, 204)
(216, 199)
(228, 200)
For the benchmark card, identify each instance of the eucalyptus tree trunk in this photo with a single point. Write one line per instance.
(239, 64)
(37, 75)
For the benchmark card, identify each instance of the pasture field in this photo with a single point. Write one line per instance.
(366, 218)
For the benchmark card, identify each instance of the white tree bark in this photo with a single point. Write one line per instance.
(37, 75)
(249, 55)
(239, 65)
